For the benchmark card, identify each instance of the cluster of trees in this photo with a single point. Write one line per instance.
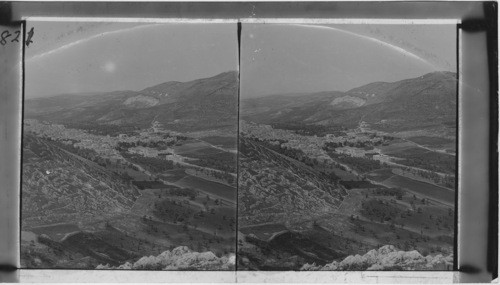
(383, 211)
(395, 192)
(147, 184)
(123, 146)
(360, 164)
(225, 162)
(151, 163)
(433, 161)
(183, 192)
(103, 130)
(330, 146)
(377, 209)
(367, 145)
(173, 210)
(446, 180)
(311, 130)
(223, 176)
(178, 138)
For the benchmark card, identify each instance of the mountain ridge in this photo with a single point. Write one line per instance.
(198, 104)
(401, 105)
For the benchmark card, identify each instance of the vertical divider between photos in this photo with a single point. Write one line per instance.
(457, 153)
(22, 136)
(238, 147)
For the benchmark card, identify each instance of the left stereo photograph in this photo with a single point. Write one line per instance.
(130, 146)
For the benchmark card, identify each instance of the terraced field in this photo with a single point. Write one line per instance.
(443, 195)
(212, 188)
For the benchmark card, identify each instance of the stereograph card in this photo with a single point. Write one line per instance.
(236, 147)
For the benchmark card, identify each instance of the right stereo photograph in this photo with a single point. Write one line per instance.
(347, 147)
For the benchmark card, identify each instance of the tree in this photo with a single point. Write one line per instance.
(392, 227)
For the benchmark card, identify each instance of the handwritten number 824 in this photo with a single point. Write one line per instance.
(5, 35)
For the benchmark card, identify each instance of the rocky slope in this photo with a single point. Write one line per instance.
(58, 186)
(388, 258)
(276, 188)
(180, 258)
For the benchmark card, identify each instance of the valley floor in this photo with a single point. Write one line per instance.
(173, 203)
(384, 204)
(91, 200)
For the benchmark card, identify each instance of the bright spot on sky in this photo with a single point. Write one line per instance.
(110, 67)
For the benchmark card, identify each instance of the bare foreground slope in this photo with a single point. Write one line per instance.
(327, 176)
(111, 178)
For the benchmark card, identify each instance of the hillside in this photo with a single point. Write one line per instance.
(84, 204)
(423, 103)
(195, 105)
(274, 187)
(59, 186)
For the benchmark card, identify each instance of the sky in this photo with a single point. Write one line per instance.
(296, 58)
(86, 57)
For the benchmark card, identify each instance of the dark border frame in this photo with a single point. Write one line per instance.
(476, 17)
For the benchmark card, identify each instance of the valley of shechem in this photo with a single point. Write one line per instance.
(136, 178)
(237, 167)
(364, 179)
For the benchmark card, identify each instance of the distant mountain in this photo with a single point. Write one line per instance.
(428, 101)
(198, 104)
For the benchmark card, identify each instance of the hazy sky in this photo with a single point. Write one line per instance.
(69, 57)
(279, 58)
(88, 57)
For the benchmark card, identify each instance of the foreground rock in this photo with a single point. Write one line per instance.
(388, 258)
(180, 258)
